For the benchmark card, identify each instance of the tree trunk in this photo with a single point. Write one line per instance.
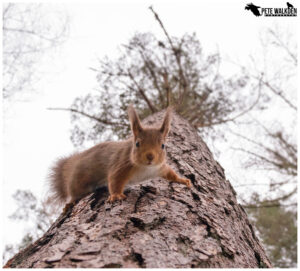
(160, 224)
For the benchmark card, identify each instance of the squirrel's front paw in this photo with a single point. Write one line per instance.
(187, 182)
(115, 197)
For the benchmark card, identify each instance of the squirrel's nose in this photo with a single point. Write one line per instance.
(150, 156)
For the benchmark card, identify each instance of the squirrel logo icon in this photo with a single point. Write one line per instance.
(289, 5)
(253, 8)
(134, 160)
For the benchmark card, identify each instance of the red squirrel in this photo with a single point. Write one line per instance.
(134, 160)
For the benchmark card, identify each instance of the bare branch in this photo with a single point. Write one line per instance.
(251, 206)
(142, 92)
(106, 122)
(212, 123)
(266, 184)
(177, 54)
(152, 72)
(267, 160)
(284, 46)
(27, 34)
(167, 88)
(30, 32)
(279, 93)
(276, 155)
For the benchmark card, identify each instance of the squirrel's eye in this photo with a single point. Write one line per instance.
(137, 144)
(162, 146)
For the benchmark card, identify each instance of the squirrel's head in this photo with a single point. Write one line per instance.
(148, 142)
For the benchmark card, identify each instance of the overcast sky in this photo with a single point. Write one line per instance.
(34, 136)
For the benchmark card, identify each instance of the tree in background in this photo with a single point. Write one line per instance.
(273, 148)
(153, 74)
(37, 215)
(29, 30)
(276, 225)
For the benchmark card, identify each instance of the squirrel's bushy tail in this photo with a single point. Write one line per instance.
(57, 181)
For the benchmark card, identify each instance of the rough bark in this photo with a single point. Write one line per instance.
(160, 224)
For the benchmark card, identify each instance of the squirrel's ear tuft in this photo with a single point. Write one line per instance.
(135, 123)
(166, 125)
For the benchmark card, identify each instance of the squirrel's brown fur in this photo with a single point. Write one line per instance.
(140, 157)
